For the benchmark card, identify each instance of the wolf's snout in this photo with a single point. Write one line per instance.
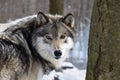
(57, 54)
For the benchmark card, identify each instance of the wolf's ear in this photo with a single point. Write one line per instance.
(69, 20)
(42, 18)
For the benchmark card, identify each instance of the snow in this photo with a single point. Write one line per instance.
(3, 27)
(67, 74)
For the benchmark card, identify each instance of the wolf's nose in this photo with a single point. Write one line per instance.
(58, 53)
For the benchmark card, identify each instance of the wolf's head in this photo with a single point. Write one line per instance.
(53, 37)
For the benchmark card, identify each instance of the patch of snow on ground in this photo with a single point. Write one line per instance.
(67, 74)
(3, 27)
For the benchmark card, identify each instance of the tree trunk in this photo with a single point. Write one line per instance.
(32, 6)
(56, 6)
(104, 42)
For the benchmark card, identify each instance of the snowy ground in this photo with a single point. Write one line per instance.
(71, 73)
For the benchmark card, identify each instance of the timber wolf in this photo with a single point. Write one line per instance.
(35, 47)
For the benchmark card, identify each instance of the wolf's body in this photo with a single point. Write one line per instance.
(35, 47)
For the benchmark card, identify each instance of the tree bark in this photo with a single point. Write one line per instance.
(104, 41)
(32, 6)
(56, 6)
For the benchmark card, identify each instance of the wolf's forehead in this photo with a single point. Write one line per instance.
(57, 28)
(54, 29)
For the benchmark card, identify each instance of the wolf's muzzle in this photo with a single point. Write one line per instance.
(57, 54)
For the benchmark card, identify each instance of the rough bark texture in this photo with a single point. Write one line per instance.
(56, 6)
(104, 42)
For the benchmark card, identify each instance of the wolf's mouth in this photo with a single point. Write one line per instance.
(57, 57)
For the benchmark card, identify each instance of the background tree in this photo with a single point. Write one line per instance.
(56, 6)
(104, 42)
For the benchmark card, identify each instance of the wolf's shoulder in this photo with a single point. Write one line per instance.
(13, 55)
(7, 47)
(10, 49)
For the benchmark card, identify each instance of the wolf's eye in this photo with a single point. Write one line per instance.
(62, 36)
(48, 37)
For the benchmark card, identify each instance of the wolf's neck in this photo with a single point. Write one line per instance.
(39, 68)
(46, 65)
(36, 71)
(49, 66)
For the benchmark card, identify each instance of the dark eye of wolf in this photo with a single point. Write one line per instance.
(48, 37)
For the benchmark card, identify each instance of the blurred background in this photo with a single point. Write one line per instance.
(13, 9)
